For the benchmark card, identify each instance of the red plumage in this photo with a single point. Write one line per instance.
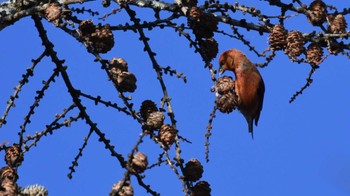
(249, 85)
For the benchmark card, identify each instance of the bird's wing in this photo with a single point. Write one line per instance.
(261, 92)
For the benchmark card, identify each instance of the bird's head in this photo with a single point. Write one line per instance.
(232, 60)
(225, 62)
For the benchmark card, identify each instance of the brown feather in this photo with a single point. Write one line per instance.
(249, 85)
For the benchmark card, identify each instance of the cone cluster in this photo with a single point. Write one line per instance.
(292, 42)
(227, 102)
(153, 118)
(125, 81)
(8, 174)
(203, 26)
(9, 177)
(99, 37)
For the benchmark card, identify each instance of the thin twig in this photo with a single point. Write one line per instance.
(309, 80)
(37, 99)
(54, 125)
(80, 154)
(106, 103)
(52, 53)
(209, 128)
(18, 88)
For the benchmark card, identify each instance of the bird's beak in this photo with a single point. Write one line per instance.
(221, 70)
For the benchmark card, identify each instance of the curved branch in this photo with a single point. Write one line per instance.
(13, 11)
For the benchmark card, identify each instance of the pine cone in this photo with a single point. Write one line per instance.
(8, 187)
(86, 27)
(35, 190)
(278, 37)
(118, 65)
(53, 12)
(147, 107)
(202, 188)
(8, 173)
(8, 178)
(14, 157)
(193, 170)
(225, 85)
(126, 190)
(155, 120)
(102, 39)
(227, 103)
(295, 44)
(319, 12)
(210, 48)
(125, 81)
(139, 163)
(314, 54)
(167, 134)
(338, 24)
(203, 24)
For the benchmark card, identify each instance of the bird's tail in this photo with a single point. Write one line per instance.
(250, 127)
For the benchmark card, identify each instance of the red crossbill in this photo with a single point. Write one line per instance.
(249, 85)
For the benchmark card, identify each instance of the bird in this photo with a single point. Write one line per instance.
(249, 85)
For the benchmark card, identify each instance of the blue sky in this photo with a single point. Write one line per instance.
(298, 149)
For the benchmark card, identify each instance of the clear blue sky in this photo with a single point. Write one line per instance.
(299, 149)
